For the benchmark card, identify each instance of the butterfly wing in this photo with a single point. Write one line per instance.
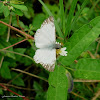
(46, 57)
(46, 34)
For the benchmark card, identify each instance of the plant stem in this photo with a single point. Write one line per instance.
(23, 33)
(29, 74)
(9, 28)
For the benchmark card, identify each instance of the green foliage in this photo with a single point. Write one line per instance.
(58, 84)
(5, 71)
(37, 23)
(81, 39)
(4, 44)
(77, 25)
(18, 81)
(20, 7)
(85, 69)
(6, 11)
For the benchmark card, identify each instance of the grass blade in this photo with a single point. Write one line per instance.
(70, 16)
(50, 14)
(62, 15)
(78, 13)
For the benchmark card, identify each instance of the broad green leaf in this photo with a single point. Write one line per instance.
(5, 71)
(18, 81)
(21, 7)
(2, 9)
(4, 44)
(88, 69)
(6, 11)
(1, 5)
(80, 40)
(58, 84)
(18, 12)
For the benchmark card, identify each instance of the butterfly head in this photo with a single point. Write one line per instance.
(60, 50)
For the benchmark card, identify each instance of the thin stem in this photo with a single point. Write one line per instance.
(5, 88)
(17, 53)
(1, 61)
(92, 56)
(78, 95)
(29, 74)
(17, 87)
(81, 80)
(14, 44)
(18, 23)
(19, 75)
(23, 33)
(97, 48)
(9, 28)
(96, 95)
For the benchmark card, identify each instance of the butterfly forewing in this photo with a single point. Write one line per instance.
(46, 34)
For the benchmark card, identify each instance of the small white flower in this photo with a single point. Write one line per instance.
(63, 52)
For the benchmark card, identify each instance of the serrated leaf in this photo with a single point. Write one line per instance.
(58, 84)
(21, 7)
(6, 11)
(5, 71)
(18, 81)
(80, 40)
(88, 69)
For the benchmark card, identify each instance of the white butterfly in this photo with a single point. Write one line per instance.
(45, 41)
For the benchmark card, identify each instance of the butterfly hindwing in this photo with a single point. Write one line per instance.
(46, 57)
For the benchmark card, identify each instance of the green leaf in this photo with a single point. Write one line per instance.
(1, 92)
(21, 51)
(3, 28)
(4, 44)
(5, 71)
(1, 5)
(18, 12)
(88, 69)
(70, 16)
(38, 20)
(6, 11)
(58, 84)
(18, 81)
(80, 40)
(21, 7)
(37, 86)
